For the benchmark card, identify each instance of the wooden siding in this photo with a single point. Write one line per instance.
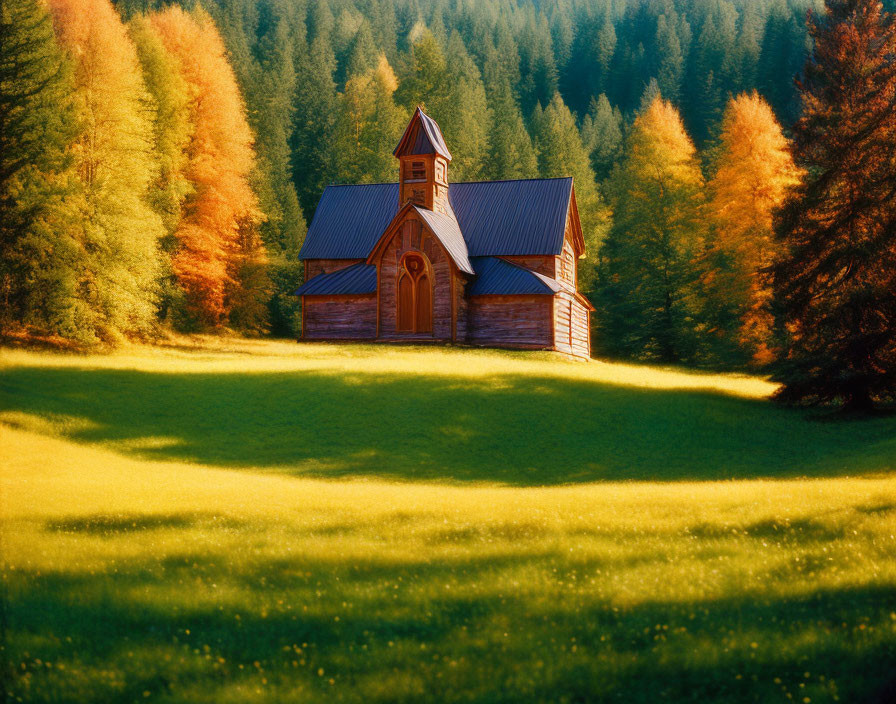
(571, 326)
(313, 267)
(461, 308)
(511, 321)
(553, 266)
(412, 236)
(339, 317)
(545, 265)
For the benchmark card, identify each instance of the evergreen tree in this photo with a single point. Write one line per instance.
(465, 118)
(646, 294)
(835, 282)
(602, 136)
(754, 175)
(120, 231)
(424, 82)
(369, 127)
(537, 65)
(561, 153)
(315, 123)
(510, 151)
(453, 94)
(670, 69)
(40, 253)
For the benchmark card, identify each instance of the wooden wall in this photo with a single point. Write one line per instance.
(313, 267)
(511, 321)
(339, 317)
(412, 236)
(461, 307)
(572, 333)
(545, 265)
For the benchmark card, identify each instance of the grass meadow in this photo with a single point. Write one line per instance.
(239, 521)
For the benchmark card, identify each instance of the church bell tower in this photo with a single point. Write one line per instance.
(423, 158)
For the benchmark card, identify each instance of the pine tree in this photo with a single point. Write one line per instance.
(670, 70)
(510, 151)
(561, 153)
(424, 82)
(537, 65)
(40, 253)
(647, 275)
(120, 231)
(315, 123)
(220, 260)
(754, 175)
(369, 126)
(835, 282)
(466, 116)
(602, 136)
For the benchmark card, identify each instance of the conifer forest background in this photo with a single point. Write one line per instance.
(160, 162)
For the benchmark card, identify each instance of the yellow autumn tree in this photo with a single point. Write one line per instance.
(120, 232)
(220, 259)
(755, 172)
(647, 271)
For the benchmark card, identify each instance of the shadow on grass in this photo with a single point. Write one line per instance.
(299, 622)
(513, 429)
(111, 525)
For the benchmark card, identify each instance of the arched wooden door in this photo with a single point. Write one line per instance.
(414, 295)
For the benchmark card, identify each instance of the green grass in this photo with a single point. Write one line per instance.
(246, 522)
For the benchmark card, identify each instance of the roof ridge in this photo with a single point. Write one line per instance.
(515, 180)
(455, 183)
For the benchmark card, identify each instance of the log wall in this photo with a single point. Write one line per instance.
(413, 236)
(339, 317)
(512, 321)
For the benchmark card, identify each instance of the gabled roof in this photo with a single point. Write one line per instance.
(496, 218)
(349, 220)
(446, 229)
(499, 277)
(422, 136)
(507, 218)
(355, 279)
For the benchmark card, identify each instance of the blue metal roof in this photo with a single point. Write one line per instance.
(349, 221)
(445, 227)
(355, 279)
(499, 277)
(507, 218)
(496, 218)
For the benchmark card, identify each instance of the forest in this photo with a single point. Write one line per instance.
(161, 161)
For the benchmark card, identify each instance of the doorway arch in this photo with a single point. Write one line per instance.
(414, 294)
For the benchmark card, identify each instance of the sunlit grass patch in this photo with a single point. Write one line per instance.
(176, 531)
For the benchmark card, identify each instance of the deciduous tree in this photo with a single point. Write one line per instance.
(220, 256)
(120, 231)
(755, 172)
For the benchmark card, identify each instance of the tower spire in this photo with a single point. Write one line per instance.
(423, 158)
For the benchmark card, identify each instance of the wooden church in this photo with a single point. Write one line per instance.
(491, 263)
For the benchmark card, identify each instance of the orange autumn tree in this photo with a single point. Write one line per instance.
(755, 173)
(220, 261)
